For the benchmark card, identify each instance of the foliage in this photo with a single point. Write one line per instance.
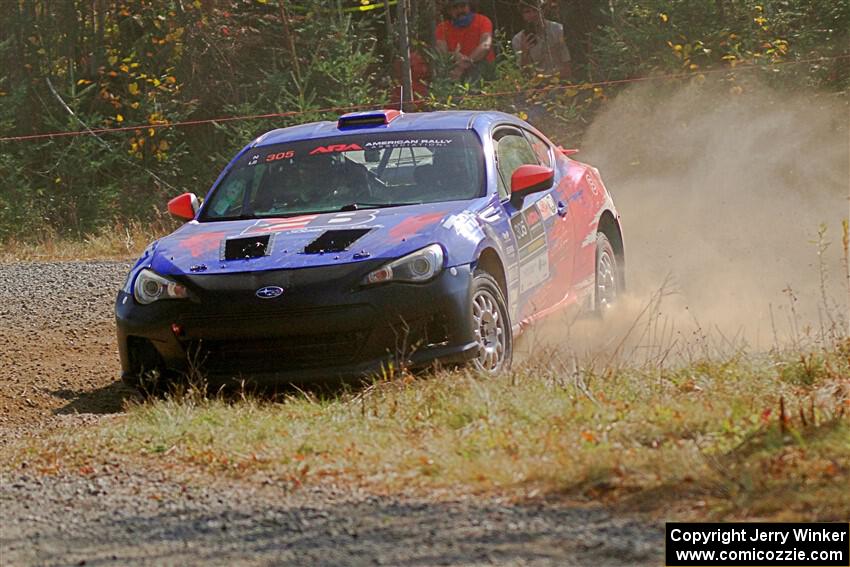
(683, 36)
(141, 65)
(92, 65)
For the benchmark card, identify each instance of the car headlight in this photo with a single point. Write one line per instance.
(419, 266)
(150, 287)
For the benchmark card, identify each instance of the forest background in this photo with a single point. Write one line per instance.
(146, 65)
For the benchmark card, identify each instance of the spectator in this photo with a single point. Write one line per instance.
(419, 76)
(541, 42)
(468, 37)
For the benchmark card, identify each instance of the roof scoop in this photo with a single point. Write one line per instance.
(367, 119)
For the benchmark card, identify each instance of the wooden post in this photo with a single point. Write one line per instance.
(404, 46)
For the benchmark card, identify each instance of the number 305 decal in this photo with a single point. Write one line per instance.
(280, 155)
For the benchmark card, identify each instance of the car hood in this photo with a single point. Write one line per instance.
(312, 240)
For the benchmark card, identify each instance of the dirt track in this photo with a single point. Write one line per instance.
(58, 368)
(57, 346)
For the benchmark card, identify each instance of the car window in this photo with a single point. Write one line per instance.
(372, 169)
(512, 151)
(540, 149)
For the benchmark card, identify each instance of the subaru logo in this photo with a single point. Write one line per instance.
(269, 292)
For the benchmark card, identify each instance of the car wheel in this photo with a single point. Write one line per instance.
(606, 289)
(491, 325)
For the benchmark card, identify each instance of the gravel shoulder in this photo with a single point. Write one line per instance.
(59, 369)
(57, 343)
(145, 518)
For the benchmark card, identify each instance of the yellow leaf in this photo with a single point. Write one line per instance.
(523, 116)
(171, 80)
(163, 145)
(119, 118)
(156, 82)
(113, 59)
(693, 67)
(134, 105)
(663, 17)
(124, 68)
(151, 132)
(133, 88)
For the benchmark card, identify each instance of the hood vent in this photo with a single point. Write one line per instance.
(335, 240)
(245, 248)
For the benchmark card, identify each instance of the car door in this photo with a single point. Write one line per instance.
(533, 224)
(560, 221)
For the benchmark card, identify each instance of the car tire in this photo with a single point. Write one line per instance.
(491, 325)
(606, 283)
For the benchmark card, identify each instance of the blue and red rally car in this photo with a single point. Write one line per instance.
(380, 240)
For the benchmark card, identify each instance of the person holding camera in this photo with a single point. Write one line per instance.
(541, 42)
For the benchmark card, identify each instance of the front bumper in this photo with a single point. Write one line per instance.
(324, 325)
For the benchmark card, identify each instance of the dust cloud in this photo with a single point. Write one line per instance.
(722, 195)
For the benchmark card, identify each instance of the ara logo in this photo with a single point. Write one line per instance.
(335, 148)
(269, 292)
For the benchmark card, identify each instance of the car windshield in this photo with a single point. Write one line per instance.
(366, 170)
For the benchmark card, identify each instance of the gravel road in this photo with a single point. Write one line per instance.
(58, 368)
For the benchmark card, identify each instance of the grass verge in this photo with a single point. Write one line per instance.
(744, 436)
(119, 241)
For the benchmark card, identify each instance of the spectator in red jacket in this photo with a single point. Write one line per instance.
(468, 37)
(419, 75)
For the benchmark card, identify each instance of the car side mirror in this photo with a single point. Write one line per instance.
(528, 179)
(184, 206)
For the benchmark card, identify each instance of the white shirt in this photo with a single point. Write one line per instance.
(550, 51)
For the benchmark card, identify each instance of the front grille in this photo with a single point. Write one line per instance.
(250, 356)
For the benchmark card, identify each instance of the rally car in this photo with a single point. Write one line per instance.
(379, 241)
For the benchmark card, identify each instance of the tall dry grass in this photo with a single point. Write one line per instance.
(120, 240)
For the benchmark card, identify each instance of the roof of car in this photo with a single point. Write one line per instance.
(406, 122)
